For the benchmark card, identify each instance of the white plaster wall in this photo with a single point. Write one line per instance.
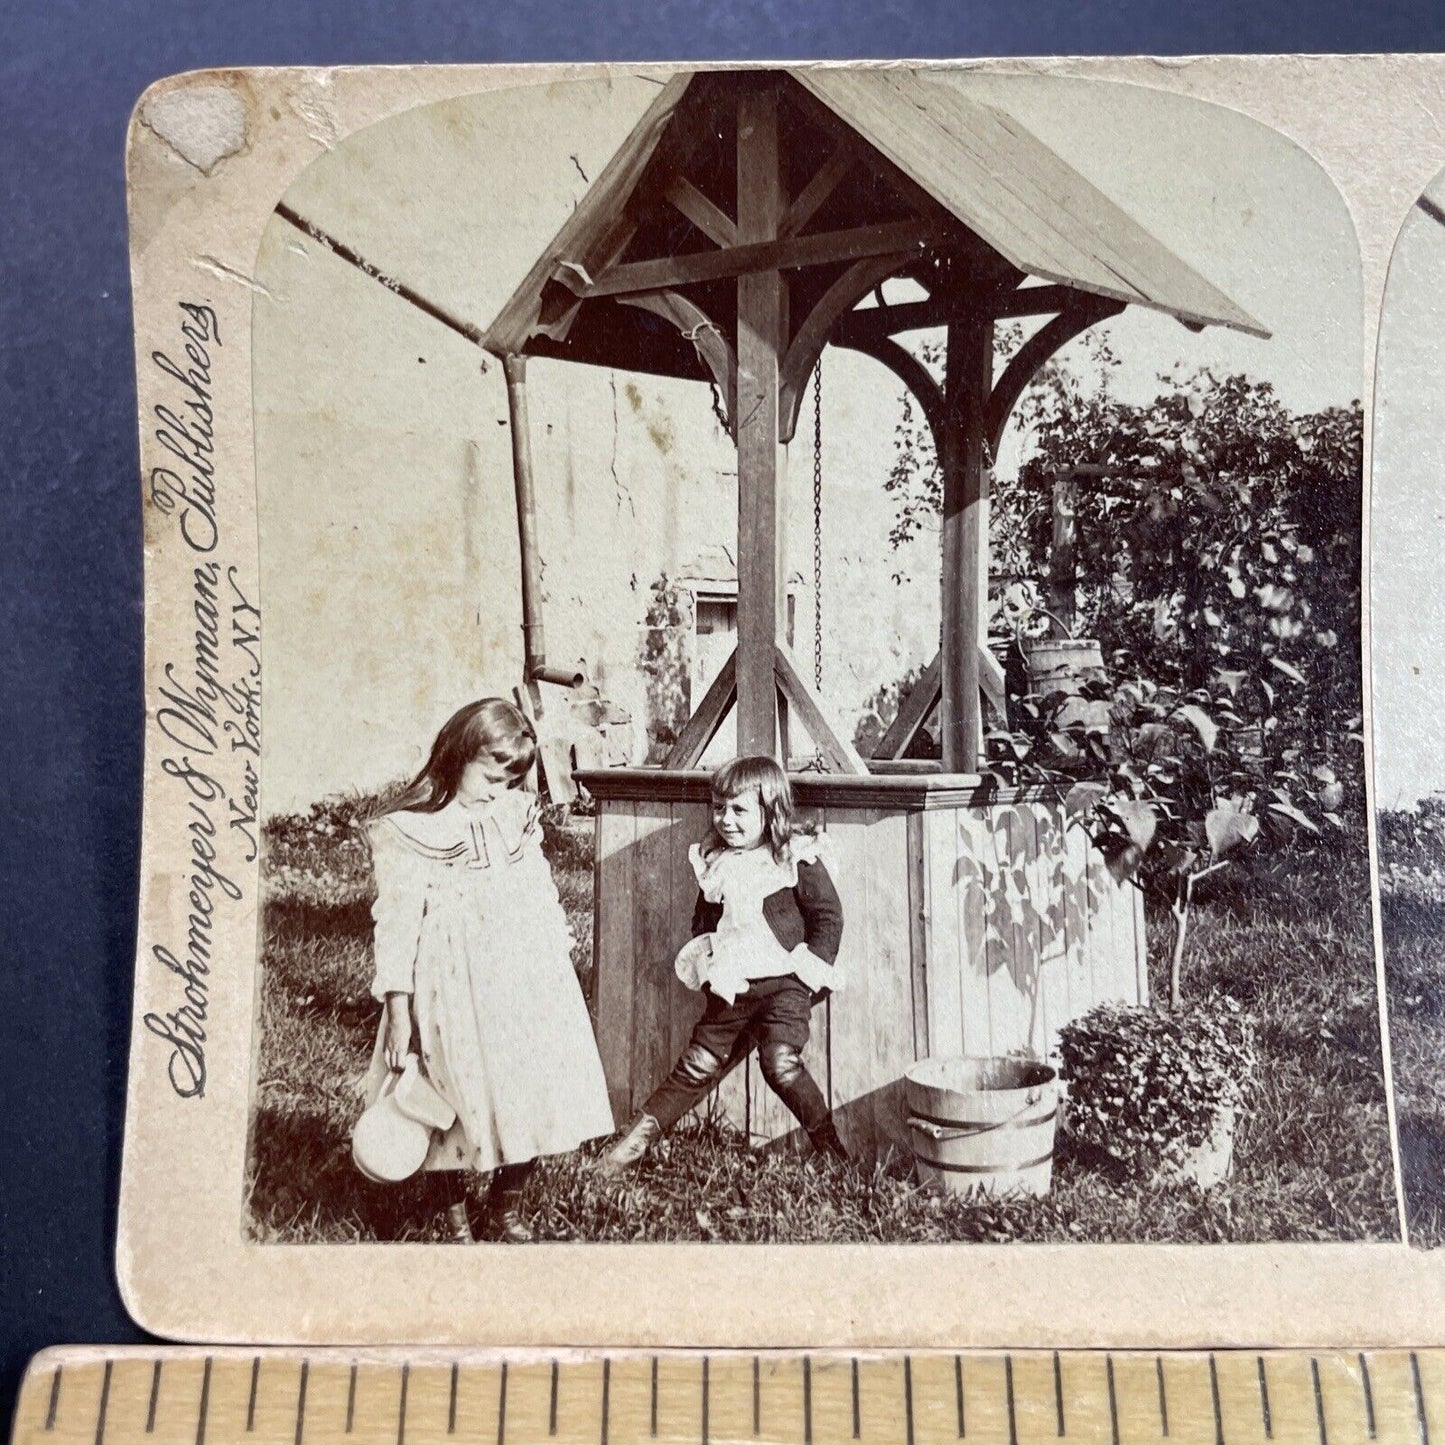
(388, 534)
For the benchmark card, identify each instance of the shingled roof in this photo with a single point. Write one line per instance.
(922, 150)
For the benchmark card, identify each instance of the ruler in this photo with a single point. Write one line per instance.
(190, 1396)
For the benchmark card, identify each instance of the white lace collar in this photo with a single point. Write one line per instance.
(481, 837)
(711, 869)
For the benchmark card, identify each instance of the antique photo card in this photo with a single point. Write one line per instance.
(812, 633)
(1408, 523)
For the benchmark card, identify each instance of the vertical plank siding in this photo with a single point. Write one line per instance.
(852, 1009)
(615, 974)
(885, 955)
(658, 932)
(972, 930)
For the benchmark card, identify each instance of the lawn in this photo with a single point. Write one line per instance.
(1312, 1158)
(1412, 908)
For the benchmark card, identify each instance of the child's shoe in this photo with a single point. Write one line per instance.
(827, 1146)
(631, 1148)
(510, 1228)
(459, 1227)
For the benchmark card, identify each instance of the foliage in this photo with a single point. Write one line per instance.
(1216, 529)
(1217, 545)
(664, 662)
(1146, 1087)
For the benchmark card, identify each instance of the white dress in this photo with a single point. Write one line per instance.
(744, 946)
(469, 923)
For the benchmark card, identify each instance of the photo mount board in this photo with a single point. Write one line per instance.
(210, 156)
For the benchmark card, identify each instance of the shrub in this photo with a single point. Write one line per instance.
(1146, 1086)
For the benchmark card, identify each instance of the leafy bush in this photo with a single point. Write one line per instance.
(1145, 1086)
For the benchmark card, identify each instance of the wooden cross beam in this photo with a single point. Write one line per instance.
(791, 689)
(923, 696)
(874, 322)
(775, 253)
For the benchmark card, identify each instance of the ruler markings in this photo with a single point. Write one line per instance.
(155, 1397)
(908, 1396)
(251, 1398)
(92, 1395)
(606, 1399)
(704, 1400)
(1419, 1399)
(1113, 1400)
(205, 1403)
(808, 1402)
(301, 1401)
(1265, 1413)
(1008, 1386)
(104, 1403)
(502, 1406)
(54, 1397)
(1214, 1400)
(1369, 1394)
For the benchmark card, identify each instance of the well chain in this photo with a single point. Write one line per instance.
(818, 525)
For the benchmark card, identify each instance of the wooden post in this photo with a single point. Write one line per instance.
(965, 538)
(534, 648)
(1061, 557)
(762, 300)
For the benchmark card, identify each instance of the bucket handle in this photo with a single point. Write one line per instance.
(941, 1130)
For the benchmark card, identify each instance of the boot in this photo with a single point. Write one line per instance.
(459, 1227)
(628, 1151)
(510, 1227)
(504, 1206)
(827, 1146)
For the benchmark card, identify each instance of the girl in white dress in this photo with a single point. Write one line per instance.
(474, 967)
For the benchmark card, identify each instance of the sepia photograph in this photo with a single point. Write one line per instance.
(813, 642)
(1408, 652)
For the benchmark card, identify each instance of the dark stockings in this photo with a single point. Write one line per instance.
(446, 1187)
(699, 1069)
(508, 1183)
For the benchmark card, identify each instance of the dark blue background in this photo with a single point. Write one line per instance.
(70, 585)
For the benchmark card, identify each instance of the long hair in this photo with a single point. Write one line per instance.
(491, 729)
(761, 775)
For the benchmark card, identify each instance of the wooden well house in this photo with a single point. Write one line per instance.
(749, 220)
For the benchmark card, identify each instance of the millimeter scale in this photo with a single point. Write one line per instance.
(199, 1396)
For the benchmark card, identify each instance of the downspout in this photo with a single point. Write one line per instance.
(534, 642)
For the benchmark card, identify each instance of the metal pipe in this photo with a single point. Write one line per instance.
(534, 642)
(558, 676)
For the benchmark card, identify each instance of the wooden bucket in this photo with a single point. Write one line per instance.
(983, 1125)
(1063, 664)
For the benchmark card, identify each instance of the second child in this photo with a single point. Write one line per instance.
(767, 927)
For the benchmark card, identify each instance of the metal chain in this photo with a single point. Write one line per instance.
(818, 524)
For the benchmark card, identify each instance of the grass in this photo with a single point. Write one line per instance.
(1412, 909)
(1312, 1157)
